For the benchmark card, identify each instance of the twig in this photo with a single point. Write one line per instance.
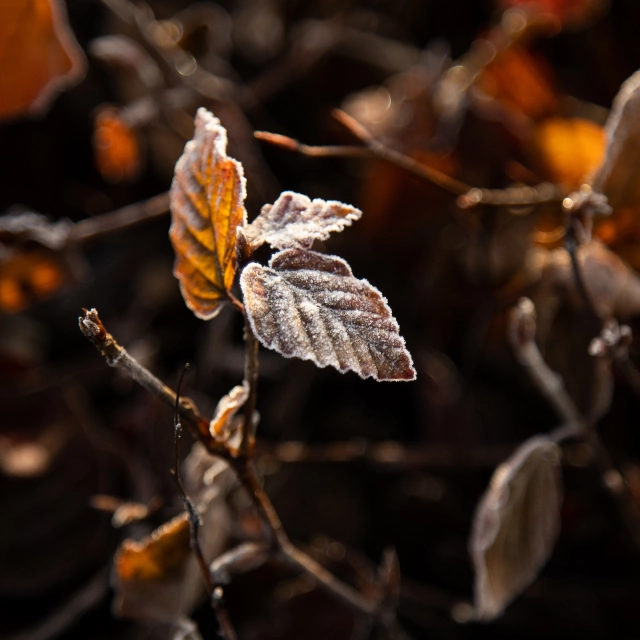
(522, 333)
(468, 196)
(243, 465)
(120, 219)
(117, 356)
(251, 364)
(293, 555)
(215, 592)
(522, 330)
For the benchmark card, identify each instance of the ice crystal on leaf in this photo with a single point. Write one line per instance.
(207, 196)
(294, 220)
(310, 306)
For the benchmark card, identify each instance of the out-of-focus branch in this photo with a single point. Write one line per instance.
(119, 219)
(468, 196)
(522, 330)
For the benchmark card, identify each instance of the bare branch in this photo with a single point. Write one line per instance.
(117, 356)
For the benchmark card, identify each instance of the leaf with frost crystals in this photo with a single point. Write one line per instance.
(227, 408)
(516, 525)
(617, 176)
(294, 220)
(207, 206)
(308, 305)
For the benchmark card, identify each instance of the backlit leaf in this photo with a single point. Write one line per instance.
(158, 555)
(39, 55)
(116, 147)
(27, 278)
(308, 305)
(207, 196)
(617, 177)
(294, 220)
(521, 82)
(516, 525)
(568, 150)
(227, 409)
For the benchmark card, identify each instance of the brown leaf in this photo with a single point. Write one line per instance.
(207, 196)
(116, 147)
(308, 305)
(516, 525)
(227, 409)
(294, 220)
(39, 55)
(617, 176)
(157, 579)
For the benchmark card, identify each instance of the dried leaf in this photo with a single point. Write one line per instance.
(116, 147)
(568, 150)
(308, 305)
(294, 220)
(157, 556)
(617, 176)
(207, 196)
(516, 525)
(158, 579)
(39, 55)
(227, 409)
(612, 287)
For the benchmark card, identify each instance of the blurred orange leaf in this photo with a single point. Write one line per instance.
(568, 150)
(522, 82)
(39, 55)
(116, 147)
(28, 277)
(157, 555)
(207, 197)
(568, 12)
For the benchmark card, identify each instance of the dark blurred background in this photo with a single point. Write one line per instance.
(444, 434)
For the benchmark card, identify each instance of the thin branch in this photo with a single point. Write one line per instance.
(522, 330)
(251, 364)
(468, 196)
(522, 333)
(293, 555)
(214, 592)
(117, 356)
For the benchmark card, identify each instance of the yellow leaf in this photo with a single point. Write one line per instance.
(39, 55)
(207, 197)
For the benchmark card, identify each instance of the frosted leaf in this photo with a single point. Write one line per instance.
(617, 176)
(294, 220)
(227, 409)
(207, 206)
(516, 525)
(308, 305)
